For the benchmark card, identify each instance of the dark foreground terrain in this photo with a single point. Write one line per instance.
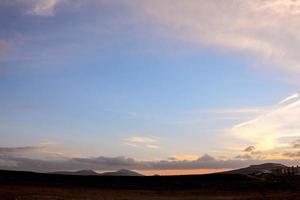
(35, 186)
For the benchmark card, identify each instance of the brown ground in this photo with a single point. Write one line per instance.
(38, 186)
(14, 192)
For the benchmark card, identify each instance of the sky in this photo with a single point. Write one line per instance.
(162, 87)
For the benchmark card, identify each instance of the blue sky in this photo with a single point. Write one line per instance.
(95, 78)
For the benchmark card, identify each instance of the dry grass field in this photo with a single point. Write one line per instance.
(37, 186)
(83, 193)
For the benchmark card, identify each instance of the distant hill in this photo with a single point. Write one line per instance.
(122, 172)
(80, 172)
(208, 181)
(254, 169)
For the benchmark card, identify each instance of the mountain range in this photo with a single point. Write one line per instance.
(121, 172)
(256, 169)
(251, 170)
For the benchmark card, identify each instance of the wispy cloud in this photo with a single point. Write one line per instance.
(33, 7)
(296, 143)
(289, 98)
(8, 150)
(266, 130)
(249, 149)
(43, 148)
(38, 46)
(294, 154)
(244, 157)
(43, 7)
(266, 30)
(141, 141)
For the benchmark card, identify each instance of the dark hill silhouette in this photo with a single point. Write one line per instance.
(235, 180)
(80, 172)
(253, 169)
(127, 182)
(31, 185)
(122, 172)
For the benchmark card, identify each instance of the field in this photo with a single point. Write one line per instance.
(79, 193)
(32, 186)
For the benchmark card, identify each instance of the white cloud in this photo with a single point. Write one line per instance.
(293, 96)
(152, 146)
(131, 144)
(266, 130)
(141, 141)
(44, 7)
(266, 29)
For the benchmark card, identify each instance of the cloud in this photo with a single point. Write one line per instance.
(141, 141)
(152, 146)
(31, 7)
(206, 158)
(10, 159)
(51, 8)
(256, 153)
(267, 130)
(296, 143)
(44, 7)
(266, 30)
(292, 154)
(114, 163)
(42, 149)
(289, 98)
(131, 144)
(183, 157)
(244, 157)
(51, 33)
(9, 150)
(249, 149)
